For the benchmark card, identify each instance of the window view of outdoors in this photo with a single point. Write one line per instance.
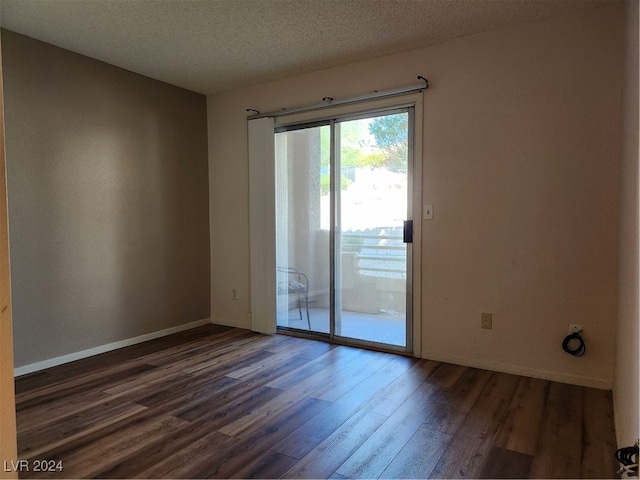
(370, 205)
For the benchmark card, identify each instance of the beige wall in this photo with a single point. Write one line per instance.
(521, 162)
(8, 447)
(626, 385)
(108, 202)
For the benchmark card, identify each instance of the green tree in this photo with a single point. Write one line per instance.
(391, 134)
(325, 183)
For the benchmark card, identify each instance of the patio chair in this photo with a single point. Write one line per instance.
(298, 284)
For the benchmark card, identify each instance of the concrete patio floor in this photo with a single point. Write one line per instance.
(380, 328)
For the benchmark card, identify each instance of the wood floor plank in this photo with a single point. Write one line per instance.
(280, 343)
(224, 408)
(173, 404)
(302, 373)
(184, 392)
(120, 358)
(168, 379)
(446, 374)
(419, 455)
(349, 377)
(227, 360)
(120, 427)
(327, 457)
(155, 455)
(312, 349)
(260, 442)
(378, 451)
(520, 431)
(559, 449)
(267, 363)
(89, 461)
(454, 404)
(30, 385)
(397, 392)
(285, 344)
(398, 365)
(197, 349)
(200, 459)
(219, 402)
(101, 379)
(337, 476)
(33, 443)
(503, 463)
(145, 380)
(36, 417)
(599, 438)
(316, 430)
(269, 465)
(252, 419)
(272, 369)
(32, 381)
(472, 442)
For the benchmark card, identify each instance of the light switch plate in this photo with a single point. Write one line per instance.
(428, 212)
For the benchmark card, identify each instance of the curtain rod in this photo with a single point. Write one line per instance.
(330, 102)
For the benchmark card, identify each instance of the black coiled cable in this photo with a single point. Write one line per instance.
(579, 350)
(626, 456)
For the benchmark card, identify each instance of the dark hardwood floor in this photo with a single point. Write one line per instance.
(218, 402)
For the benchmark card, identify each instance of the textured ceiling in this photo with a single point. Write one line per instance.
(213, 45)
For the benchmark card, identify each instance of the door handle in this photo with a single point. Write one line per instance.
(407, 234)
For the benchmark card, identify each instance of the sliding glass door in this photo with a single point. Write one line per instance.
(302, 229)
(371, 207)
(343, 250)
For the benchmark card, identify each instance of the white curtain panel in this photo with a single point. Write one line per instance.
(262, 236)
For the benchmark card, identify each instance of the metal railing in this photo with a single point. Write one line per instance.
(379, 255)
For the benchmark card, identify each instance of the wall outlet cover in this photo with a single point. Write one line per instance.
(574, 328)
(486, 320)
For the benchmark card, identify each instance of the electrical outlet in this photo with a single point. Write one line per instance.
(574, 328)
(486, 320)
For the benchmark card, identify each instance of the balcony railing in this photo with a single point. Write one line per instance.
(379, 254)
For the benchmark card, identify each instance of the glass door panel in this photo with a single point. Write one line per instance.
(302, 229)
(342, 190)
(371, 257)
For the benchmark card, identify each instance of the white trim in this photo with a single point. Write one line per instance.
(230, 323)
(416, 214)
(53, 362)
(582, 381)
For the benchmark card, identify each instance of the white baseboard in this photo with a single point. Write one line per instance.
(601, 383)
(227, 323)
(53, 362)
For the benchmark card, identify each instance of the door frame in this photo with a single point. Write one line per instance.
(414, 103)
